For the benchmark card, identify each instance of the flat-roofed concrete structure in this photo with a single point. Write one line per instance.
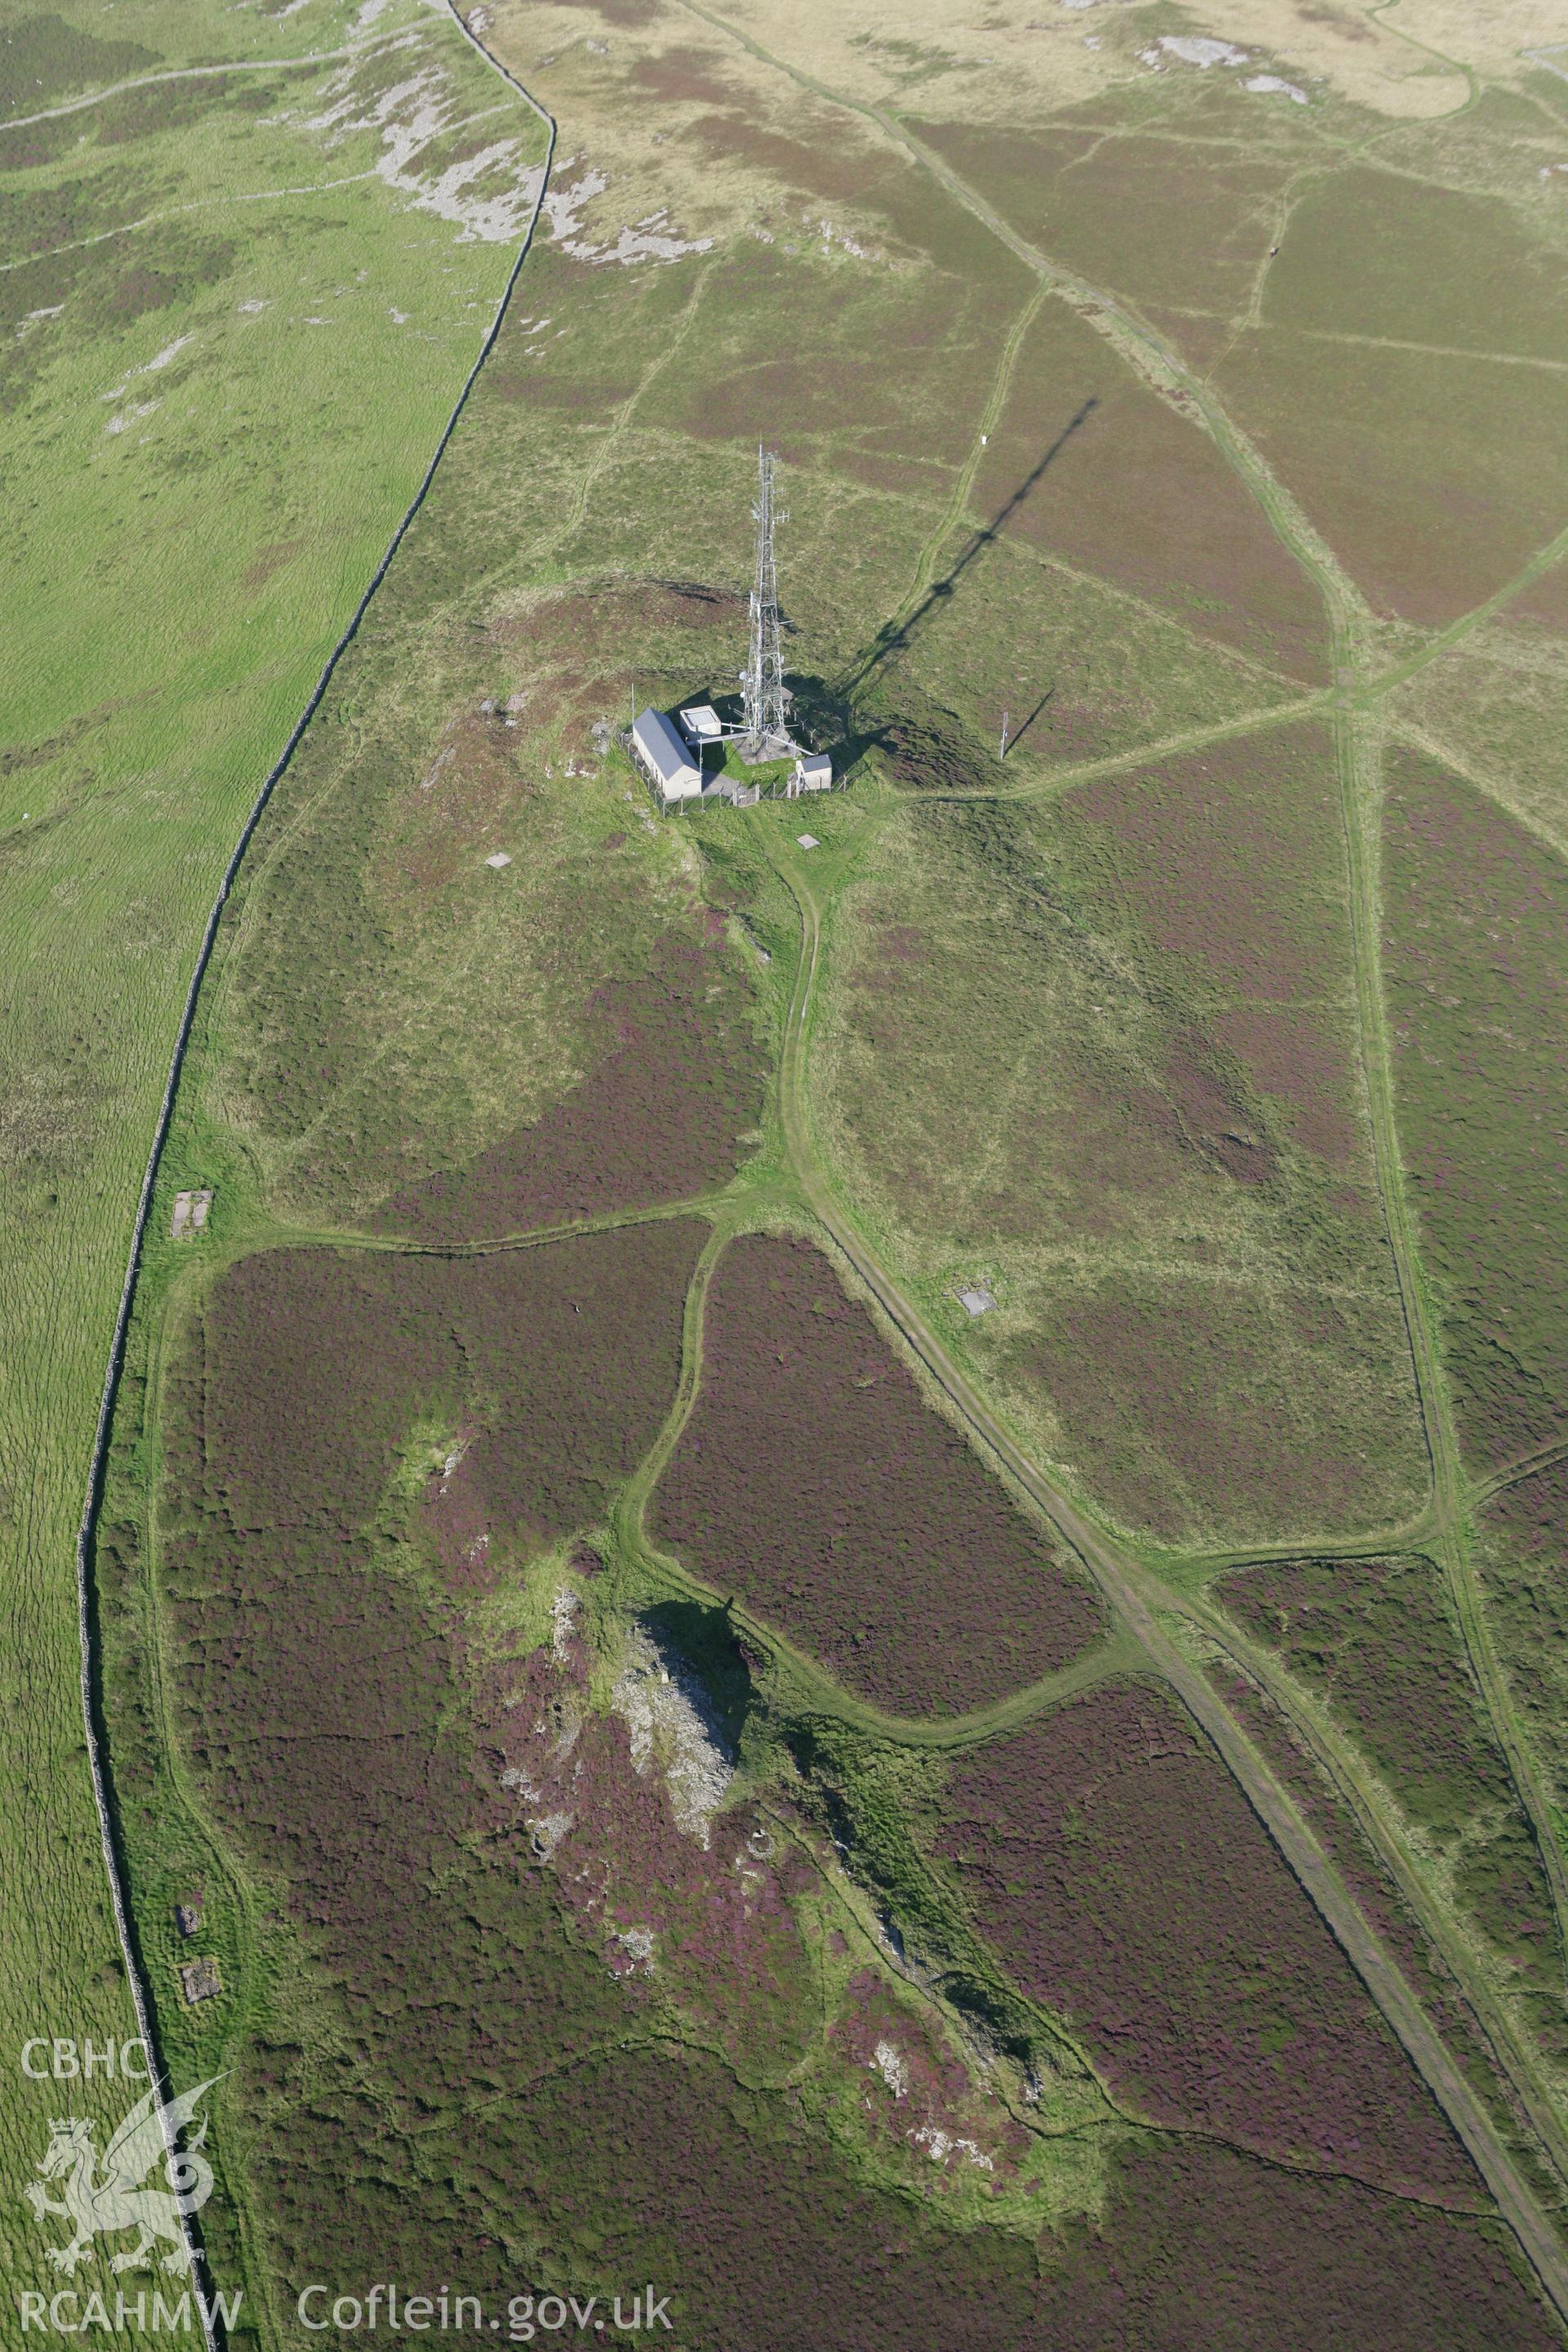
(664, 759)
(701, 723)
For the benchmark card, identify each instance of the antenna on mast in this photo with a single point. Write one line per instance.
(765, 730)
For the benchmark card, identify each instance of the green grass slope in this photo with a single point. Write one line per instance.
(239, 306)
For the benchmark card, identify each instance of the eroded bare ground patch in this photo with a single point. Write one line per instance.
(814, 1482)
(712, 1904)
(531, 2031)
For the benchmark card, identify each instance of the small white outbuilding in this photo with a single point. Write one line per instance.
(664, 759)
(812, 772)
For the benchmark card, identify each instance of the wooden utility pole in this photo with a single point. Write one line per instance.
(1003, 752)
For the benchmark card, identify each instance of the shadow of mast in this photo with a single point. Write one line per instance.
(1018, 733)
(895, 636)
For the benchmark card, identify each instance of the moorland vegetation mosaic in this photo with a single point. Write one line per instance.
(836, 1575)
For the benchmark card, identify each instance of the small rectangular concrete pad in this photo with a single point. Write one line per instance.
(190, 1215)
(808, 841)
(976, 1300)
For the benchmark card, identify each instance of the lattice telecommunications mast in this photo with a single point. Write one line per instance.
(764, 731)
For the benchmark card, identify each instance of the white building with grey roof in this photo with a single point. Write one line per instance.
(661, 753)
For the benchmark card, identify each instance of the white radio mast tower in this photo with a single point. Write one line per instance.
(764, 728)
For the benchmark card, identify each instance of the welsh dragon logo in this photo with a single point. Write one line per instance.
(104, 2195)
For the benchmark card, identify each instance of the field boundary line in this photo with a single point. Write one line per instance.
(93, 1724)
(1201, 1568)
(708, 1206)
(236, 1879)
